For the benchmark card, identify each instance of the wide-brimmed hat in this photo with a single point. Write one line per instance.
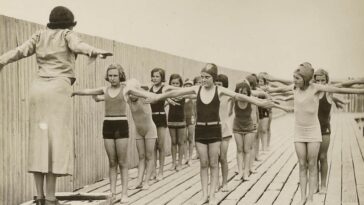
(61, 18)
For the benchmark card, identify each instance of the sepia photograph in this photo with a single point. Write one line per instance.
(194, 102)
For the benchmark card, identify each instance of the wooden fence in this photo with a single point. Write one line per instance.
(91, 165)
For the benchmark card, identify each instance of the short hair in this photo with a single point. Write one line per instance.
(196, 79)
(323, 72)
(243, 85)
(160, 71)
(253, 81)
(224, 79)
(120, 69)
(176, 76)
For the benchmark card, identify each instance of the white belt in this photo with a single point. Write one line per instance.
(158, 113)
(208, 123)
(115, 118)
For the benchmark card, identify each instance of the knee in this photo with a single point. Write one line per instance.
(113, 163)
(123, 163)
(204, 163)
(149, 157)
(302, 164)
(214, 164)
(239, 150)
(223, 158)
(312, 164)
(323, 157)
(141, 156)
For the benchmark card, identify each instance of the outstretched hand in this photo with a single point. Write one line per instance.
(105, 55)
(153, 98)
(172, 102)
(266, 104)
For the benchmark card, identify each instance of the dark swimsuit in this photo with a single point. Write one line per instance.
(176, 114)
(243, 122)
(158, 113)
(208, 126)
(324, 115)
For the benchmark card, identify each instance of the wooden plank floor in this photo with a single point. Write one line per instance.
(276, 180)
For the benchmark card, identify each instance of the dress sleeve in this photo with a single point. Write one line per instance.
(28, 48)
(78, 46)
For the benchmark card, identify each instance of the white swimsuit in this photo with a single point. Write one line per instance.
(307, 125)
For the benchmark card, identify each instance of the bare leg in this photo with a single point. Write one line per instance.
(173, 134)
(224, 163)
(214, 153)
(191, 133)
(122, 154)
(140, 143)
(202, 149)
(181, 146)
(110, 148)
(39, 184)
(51, 180)
(269, 130)
(248, 144)
(254, 152)
(301, 151)
(312, 154)
(161, 136)
(239, 154)
(323, 161)
(263, 133)
(149, 148)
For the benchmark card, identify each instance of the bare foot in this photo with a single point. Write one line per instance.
(245, 178)
(137, 186)
(145, 186)
(323, 190)
(173, 167)
(225, 188)
(178, 167)
(201, 201)
(253, 171)
(196, 157)
(159, 177)
(238, 177)
(124, 199)
(212, 201)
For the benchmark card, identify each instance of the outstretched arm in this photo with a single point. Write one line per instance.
(334, 89)
(138, 93)
(80, 47)
(172, 94)
(275, 79)
(96, 91)
(98, 98)
(350, 83)
(280, 89)
(284, 108)
(24, 50)
(245, 98)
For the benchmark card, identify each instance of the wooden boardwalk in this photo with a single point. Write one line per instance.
(276, 181)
